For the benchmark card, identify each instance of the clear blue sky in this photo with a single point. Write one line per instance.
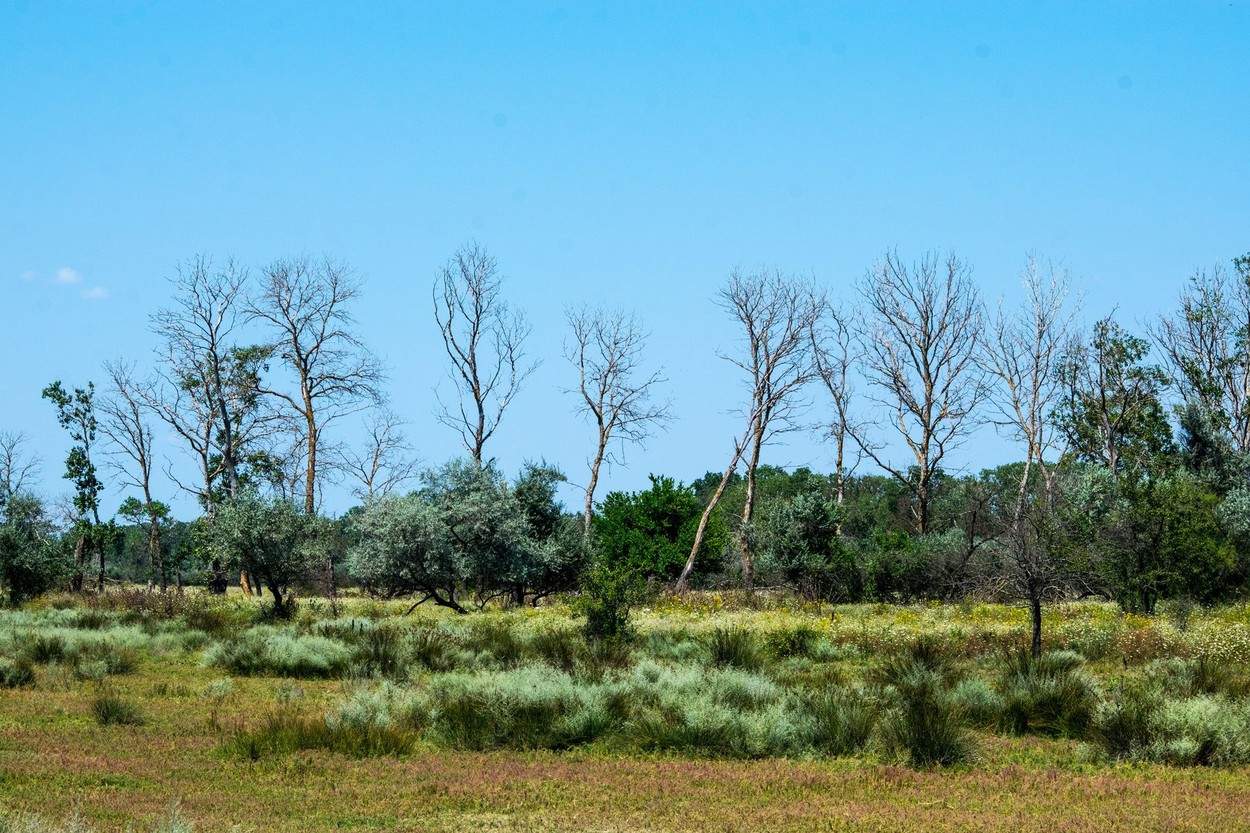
(624, 154)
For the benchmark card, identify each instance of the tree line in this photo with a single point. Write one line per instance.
(1131, 479)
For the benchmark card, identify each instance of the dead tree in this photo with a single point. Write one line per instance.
(124, 423)
(920, 342)
(305, 304)
(1021, 355)
(206, 386)
(385, 462)
(17, 466)
(606, 348)
(777, 314)
(835, 354)
(485, 341)
(1204, 344)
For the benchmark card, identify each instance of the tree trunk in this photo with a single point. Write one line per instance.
(589, 509)
(1035, 617)
(155, 559)
(683, 581)
(80, 554)
(745, 543)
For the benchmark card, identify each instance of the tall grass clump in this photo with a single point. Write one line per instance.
(16, 673)
(268, 650)
(842, 721)
(1051, 694)
(531, 707)
(370, 723)
(111, 710)
(735, 647)
(924, 725)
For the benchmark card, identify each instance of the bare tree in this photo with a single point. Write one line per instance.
(777, 314)
(206, 391)
(124, 423)
(835, 354)
(1021, 356)
(606, 349)
(306, 304)
(920, 343)
(385, 462)
(1205, 345)
(485, 341)
(17, 466)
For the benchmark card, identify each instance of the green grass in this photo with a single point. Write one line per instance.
(792, 718)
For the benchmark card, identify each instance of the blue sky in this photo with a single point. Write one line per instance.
(622, 154)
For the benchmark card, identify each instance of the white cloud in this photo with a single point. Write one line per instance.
(95, 293)
(67, 275)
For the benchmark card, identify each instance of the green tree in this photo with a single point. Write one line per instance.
(1109, 410)
(75, 411)
(32, 560)
(800, 539)
(278, 545)
(651, 532)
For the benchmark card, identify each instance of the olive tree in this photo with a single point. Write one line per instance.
(276, 543)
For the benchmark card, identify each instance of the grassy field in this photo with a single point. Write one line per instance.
(199, 749)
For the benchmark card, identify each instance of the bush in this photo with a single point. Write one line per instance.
(978, 702)
(1123, 726)
(267, 650)
(111, 710)
(924, 726)
(608, 593)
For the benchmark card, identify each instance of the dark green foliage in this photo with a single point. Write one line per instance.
(800, 538)
(608, 593)
(32, 560)
(273, 540)
(650, 533)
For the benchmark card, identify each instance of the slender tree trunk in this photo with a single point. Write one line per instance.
(745, 542)
(1035, 617)
(589, 509)
(683, 581)
(80, 556)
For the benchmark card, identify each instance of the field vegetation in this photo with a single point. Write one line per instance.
(201, 712)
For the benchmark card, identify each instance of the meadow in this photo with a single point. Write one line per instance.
(722, 712)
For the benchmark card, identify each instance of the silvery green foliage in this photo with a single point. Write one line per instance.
(1235, 513)
(270, 538)
(464, 532)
